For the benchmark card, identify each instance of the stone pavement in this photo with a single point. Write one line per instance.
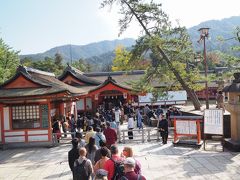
(158, 162)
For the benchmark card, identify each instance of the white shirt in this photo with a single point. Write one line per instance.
(117, 115)
(130, 123)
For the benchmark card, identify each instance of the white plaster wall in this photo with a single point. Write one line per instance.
(38, 138)
(15, 139)
(14, 133)
(38, 132)
(6, 118)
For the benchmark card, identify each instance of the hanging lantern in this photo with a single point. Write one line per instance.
(125, 95)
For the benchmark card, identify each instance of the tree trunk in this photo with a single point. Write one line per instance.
(190, 92)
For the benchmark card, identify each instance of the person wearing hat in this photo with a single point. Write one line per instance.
(101, 174)
(129, 165)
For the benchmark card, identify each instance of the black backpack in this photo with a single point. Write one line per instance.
(118, 170)
(79, 171)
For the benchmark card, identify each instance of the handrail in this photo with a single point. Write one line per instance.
(144, 133)
(186, 117)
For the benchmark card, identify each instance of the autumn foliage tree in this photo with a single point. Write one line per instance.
(123, 62)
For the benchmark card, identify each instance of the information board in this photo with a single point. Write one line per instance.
(213, 121)
(186, 127)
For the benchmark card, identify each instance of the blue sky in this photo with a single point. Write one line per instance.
(34, 26)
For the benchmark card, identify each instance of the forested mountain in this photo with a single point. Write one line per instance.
(223, 28)
(101, 54)
(76, 52)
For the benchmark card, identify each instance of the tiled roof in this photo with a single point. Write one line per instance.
(121, 77)
(110, 80)
(49, 84)
(69, 70)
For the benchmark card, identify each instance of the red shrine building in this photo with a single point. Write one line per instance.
(32, 98)
(28, 101)
(106, 91)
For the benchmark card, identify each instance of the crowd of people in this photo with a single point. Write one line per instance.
(88, 161)
(105, 124)
(96, 156)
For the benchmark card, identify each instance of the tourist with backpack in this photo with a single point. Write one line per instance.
(99, 136)
(83, 168)
(129, 174)
(114, 165)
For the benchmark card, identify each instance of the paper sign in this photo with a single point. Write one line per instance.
(213, 121)
(186, 127)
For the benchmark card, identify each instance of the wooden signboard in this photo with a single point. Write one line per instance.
(187, 126)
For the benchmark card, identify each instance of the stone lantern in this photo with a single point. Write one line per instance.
(233, 106)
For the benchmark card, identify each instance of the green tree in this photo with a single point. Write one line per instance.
(122, 61)
(8, 61)
(80, 65)
(58, 61)
(231, 60)
(45, 65)
(170, 45)
(88, 67)
(26, 61)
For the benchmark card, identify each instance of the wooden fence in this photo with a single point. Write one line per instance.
(139, 135)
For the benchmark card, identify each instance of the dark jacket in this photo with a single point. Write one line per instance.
(163, 124)
(73, 154)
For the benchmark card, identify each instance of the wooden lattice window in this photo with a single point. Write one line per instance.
(24, 117)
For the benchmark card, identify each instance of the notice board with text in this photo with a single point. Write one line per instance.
(213, 121)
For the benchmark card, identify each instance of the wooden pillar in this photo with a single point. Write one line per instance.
(2, 124)
(85, 104)
(49, 121)
(198, 132)
(175, 130)
(61, 109)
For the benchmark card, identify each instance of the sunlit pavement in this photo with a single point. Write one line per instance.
(158, 162)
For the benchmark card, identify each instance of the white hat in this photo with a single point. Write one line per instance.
(129, 161)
